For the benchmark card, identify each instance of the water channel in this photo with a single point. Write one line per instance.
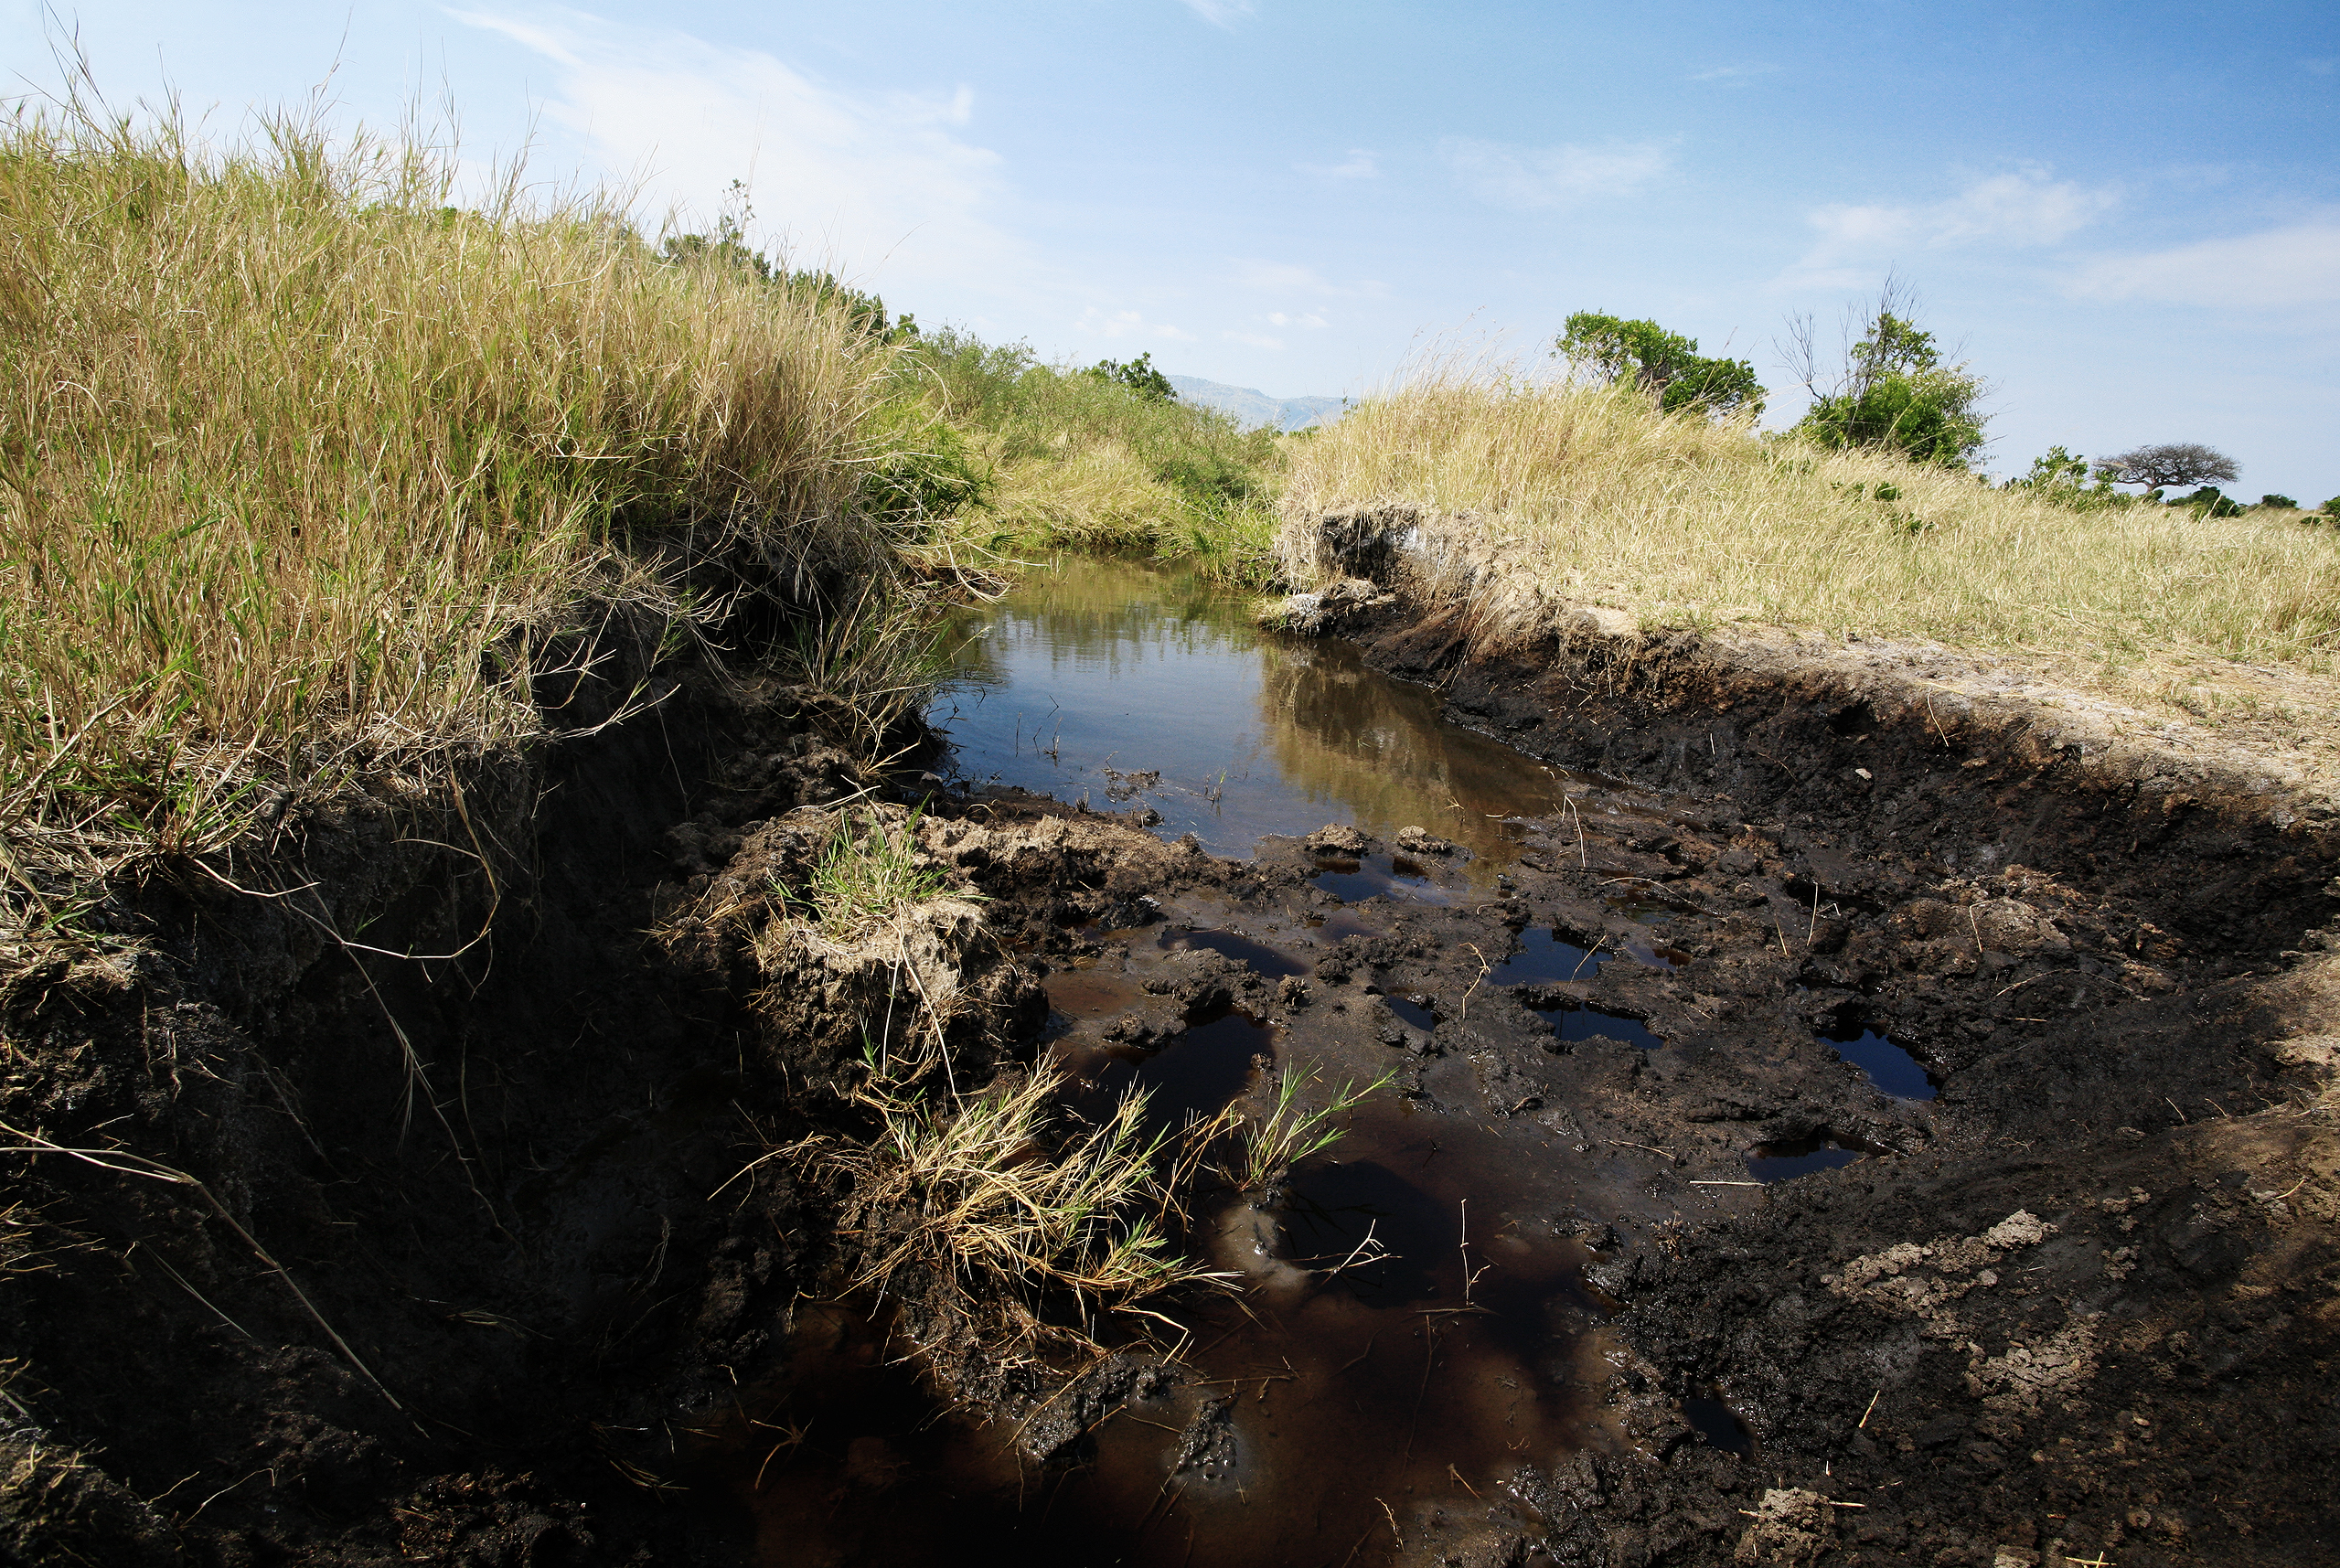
(1414, 1325)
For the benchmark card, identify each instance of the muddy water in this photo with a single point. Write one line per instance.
(1408, 1327)
(1153, 690)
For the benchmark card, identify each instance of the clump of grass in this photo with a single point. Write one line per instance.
(881, 655)
(302, 468)
(1285, 1135)
(1587, 494)
(866, 875)
(992, 1194)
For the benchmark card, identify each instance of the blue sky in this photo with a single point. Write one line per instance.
(2128, 216)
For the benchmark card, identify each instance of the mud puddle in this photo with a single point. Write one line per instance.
(1596, 1021)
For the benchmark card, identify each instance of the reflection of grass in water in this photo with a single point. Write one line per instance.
(1107, 613)
(1344, 733)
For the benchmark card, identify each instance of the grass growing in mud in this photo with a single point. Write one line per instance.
(303, 471)
(1077, 462)
(1594, 497)
(983, 1192)
(865, 877)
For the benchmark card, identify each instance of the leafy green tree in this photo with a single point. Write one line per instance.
(1895, 393)
(1138, 375)
(2274, 503)
(1665, 365)
(2062, 477)
(2330, 508)
(2210, 502)
(2058, 470)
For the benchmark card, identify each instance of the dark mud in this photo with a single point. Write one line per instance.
(1543, 1302)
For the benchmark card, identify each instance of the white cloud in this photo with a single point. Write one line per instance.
(1311, 320)
(1285, 278)
(1360, 165)
(1728, 72)
(1221, 12)
(2022, 208)
(2294, 266)
(1257, 340)
(1119, 324)
(1529, 179)
(850, 180)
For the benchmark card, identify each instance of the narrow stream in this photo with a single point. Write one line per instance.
(1413, 1328)
(1131, 687)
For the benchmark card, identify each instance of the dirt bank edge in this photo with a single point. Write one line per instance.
(2169, 1350)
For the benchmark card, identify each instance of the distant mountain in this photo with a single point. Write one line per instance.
(1252, 408)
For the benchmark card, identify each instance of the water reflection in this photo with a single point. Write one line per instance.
(1099, 665)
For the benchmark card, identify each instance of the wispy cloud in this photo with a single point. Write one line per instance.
(1285, 278)
(2023, 209)
(1360, 165)
(1221, 12)
(1255, 339)
(1130, 324)
(1531, 179)
(2294, 266)
(1310, 320)
(1733, 72)
(851, 179)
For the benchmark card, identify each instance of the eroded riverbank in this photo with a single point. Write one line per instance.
(1764, 1168)
(1860, 1198)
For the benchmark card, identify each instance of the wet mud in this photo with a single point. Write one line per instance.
(1762, 1168)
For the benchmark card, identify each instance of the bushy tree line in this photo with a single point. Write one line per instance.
(1894, 388)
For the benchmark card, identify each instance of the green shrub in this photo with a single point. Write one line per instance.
(1138, 375)
(2061, 477)
(1665, 365)
(2209, 501)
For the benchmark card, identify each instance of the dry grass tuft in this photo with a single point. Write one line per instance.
(999, 1197)
(1587, 496)
(302, 468)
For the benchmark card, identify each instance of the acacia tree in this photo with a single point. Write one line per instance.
(1665, 365)
(1894, 391)
(2168, 466)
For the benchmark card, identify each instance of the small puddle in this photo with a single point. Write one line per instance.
(1719, 1427)
(1786, 1161)
(1194, 1076)
(1392, 877)
(1887, 1066)
(1417, 1010)
(1573, 1021)
(1130, 686)
(1228, 943)
(1546, 958)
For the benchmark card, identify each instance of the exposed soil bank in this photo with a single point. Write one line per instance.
(2096, 944)
(2080, 1302)
(431, 1262)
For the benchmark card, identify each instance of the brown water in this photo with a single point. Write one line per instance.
(1409, 1329)
(1096, 674)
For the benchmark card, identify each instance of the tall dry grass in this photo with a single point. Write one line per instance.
(297, 462)
(1589, 496)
